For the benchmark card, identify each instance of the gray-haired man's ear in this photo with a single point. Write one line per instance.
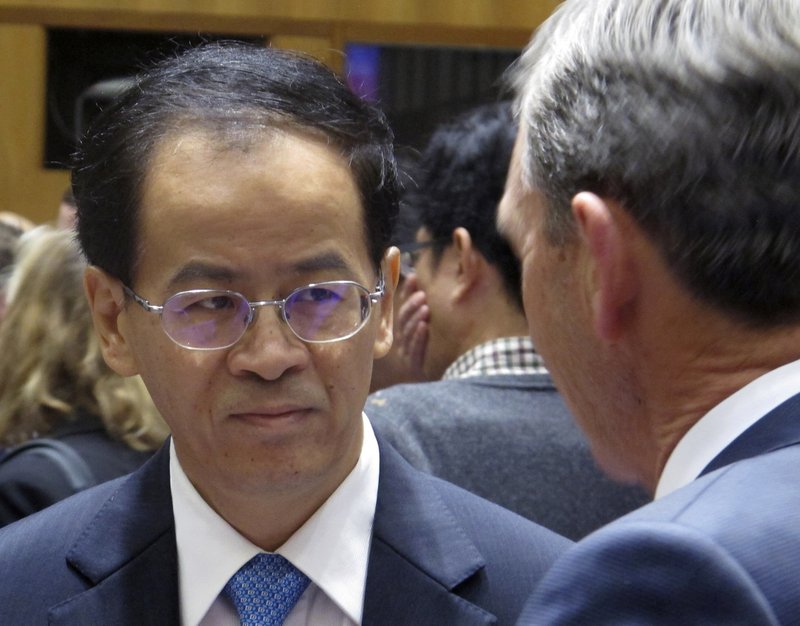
(614, 283)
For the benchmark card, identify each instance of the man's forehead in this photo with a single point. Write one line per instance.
(515, 188)
(194, 137)
(519, 170)
(224, 204)
(195, 152)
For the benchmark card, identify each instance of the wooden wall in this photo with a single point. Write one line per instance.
(320, 27)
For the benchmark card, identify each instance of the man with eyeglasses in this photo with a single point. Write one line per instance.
(235, 208)
(491, 419)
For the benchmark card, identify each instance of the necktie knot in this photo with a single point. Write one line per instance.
(265, 589)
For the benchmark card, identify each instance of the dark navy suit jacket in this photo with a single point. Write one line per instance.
(31, 481)
(725, 549)
(439, 555)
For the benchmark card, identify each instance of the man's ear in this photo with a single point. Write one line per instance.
(391, 277)
(613, 279)
(106, 302)
(470, 262)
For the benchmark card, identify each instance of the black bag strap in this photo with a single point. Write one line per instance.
(74, 468)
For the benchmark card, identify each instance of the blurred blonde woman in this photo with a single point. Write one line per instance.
(55, 385)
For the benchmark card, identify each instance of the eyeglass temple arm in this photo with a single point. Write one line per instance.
(380, 288)
(153, 308)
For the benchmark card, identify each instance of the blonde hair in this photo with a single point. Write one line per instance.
(51, 366)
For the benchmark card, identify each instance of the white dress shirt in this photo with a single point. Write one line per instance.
(725, 422)
(331, 548)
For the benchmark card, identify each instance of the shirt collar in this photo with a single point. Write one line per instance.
(725, 422)
(331, 548)
(505, 355)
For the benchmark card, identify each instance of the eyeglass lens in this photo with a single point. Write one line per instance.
(409, 254)
(206, 319)
(407, 261)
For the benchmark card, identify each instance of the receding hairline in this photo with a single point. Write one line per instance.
(225, 137)
(239, 128)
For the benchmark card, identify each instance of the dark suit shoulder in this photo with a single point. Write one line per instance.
(731, 535)
(417, 418)
(61, 521)
(505, 531)
(407, 399)
(29, 482)
(108, 458)
(648, 573)
(35, 477)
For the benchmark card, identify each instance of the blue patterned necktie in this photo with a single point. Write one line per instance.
(265, 589)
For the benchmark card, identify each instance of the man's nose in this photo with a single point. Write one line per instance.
(268, 347)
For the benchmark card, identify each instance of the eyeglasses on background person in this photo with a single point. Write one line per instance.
(214, 319)
(409, 254)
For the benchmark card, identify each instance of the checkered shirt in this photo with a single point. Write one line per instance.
(507, 355)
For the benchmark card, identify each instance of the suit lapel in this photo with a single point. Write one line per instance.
(128, 554)
(418, 557)
(777, 429)
(419, 553)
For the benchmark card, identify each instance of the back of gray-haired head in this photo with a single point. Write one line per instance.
(687, 112)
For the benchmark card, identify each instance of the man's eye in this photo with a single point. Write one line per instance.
(217, 303)
(317, 294)
(220, 302)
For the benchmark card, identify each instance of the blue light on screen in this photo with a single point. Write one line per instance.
(362, 69)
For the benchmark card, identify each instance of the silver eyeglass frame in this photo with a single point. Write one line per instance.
(373, 298)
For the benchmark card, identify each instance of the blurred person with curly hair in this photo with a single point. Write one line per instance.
(54, 383)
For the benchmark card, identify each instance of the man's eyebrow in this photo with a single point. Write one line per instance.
(197, 270)
(325, 261)
(200, 271)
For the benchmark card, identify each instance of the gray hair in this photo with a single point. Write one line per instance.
(687, 112)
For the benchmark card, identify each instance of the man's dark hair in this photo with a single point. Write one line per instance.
(238, 92)
(460, 178)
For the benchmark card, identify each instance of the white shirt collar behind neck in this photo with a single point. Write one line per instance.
(717, 429)
(331, 548)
